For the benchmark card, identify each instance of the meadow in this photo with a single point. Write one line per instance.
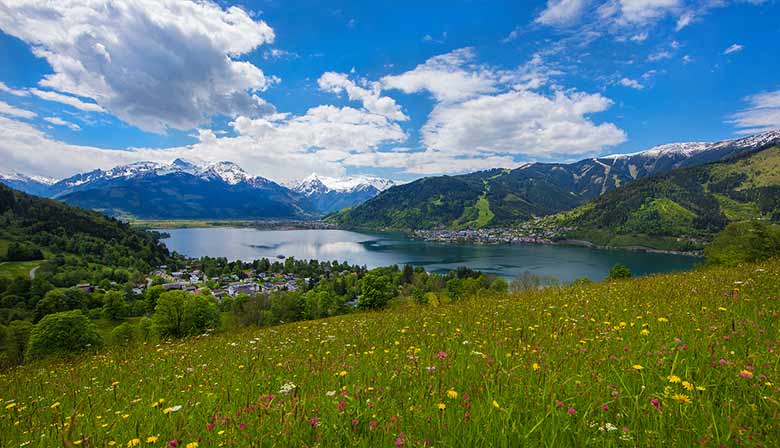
(684, 359)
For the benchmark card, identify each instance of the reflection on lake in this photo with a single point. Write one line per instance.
(374, 250)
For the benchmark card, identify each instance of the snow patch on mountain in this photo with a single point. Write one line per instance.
(315, 183)
(689, 149)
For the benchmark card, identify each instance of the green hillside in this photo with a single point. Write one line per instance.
(76, 242)
(676, 360)
(681, 208)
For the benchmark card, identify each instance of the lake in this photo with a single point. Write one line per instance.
(566, 263)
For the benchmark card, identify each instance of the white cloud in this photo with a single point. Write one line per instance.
(279, 147)
(12, 91)
(521, 123)
(659, 56)
(562, 12)
(639, 37)
(733, 48)
(370, 95)
(448, 77)
(685, 19)
(762, 113)
(72, 101)
(632, 83)
(7, 109)
(154, 64)
(60, 122)
(644, 11)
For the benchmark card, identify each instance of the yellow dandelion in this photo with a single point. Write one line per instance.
(663, 319)
(192, 445)
(221, 432)
(55, 405)
(452, 394)
(441, 406)
(673, 378)
(535, 366)
(644, 332)
(681, 398)
(496, 405)
(151, 439)
(115, 384)
(343, 373)
(701, 388)
(133, 442)
(637, 367)
(687, 385)
(10, 406)
(77, 442)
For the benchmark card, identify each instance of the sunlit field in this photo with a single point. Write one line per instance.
(687, 359)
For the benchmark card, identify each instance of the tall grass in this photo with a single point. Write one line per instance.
(684, 359)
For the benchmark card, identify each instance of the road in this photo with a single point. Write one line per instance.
(32, 272)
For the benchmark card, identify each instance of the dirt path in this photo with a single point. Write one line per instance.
(32, 272)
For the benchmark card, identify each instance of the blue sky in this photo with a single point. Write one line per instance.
(396, 89)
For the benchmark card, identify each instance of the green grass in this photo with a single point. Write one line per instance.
(12, 269)
(560, 367)
(737, 211)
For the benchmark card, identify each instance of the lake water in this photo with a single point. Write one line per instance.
(373, 250)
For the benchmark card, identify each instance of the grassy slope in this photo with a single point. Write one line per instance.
(13, 269)
(655, 211)
(547, 368)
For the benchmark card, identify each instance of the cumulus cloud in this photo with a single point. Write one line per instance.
(155, 64)
(521, 123)
(639, 11)
(561, 12)
(449, 77)
(370, 95)
(762, 113)
(7, 109)
(733, 48)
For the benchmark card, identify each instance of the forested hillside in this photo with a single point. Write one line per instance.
(688, 203)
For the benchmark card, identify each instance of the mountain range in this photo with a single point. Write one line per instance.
(185, 190)
(503, 197)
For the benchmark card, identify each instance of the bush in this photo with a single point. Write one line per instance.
(114, 306)
(179, 314)
(123, 334)
(376, 290)
(62, 333)
(17, 335)
(618, 272)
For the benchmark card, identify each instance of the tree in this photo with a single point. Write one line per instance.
(16, 340)
(151, 295)
(114, 305)
(376, 290)
(62, 333)
(179, 314)
(499, 285)
(619, 271)
(54, 301)
(407, 274)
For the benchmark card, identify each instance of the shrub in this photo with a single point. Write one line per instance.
(23, 252)
(17, 335)
(114, 306)
(376, 290)
(123, 334)
(62, 333)
(619, 271)
(179, 314)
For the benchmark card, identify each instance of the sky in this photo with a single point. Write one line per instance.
(395, 89)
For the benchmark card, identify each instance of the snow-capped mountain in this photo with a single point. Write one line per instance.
(330, 194)
(36, 185)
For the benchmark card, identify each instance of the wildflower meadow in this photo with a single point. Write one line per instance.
(683, 359)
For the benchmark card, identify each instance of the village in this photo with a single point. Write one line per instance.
(253, 282)
(531, 232)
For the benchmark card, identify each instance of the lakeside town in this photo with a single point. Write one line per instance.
(530, 232)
